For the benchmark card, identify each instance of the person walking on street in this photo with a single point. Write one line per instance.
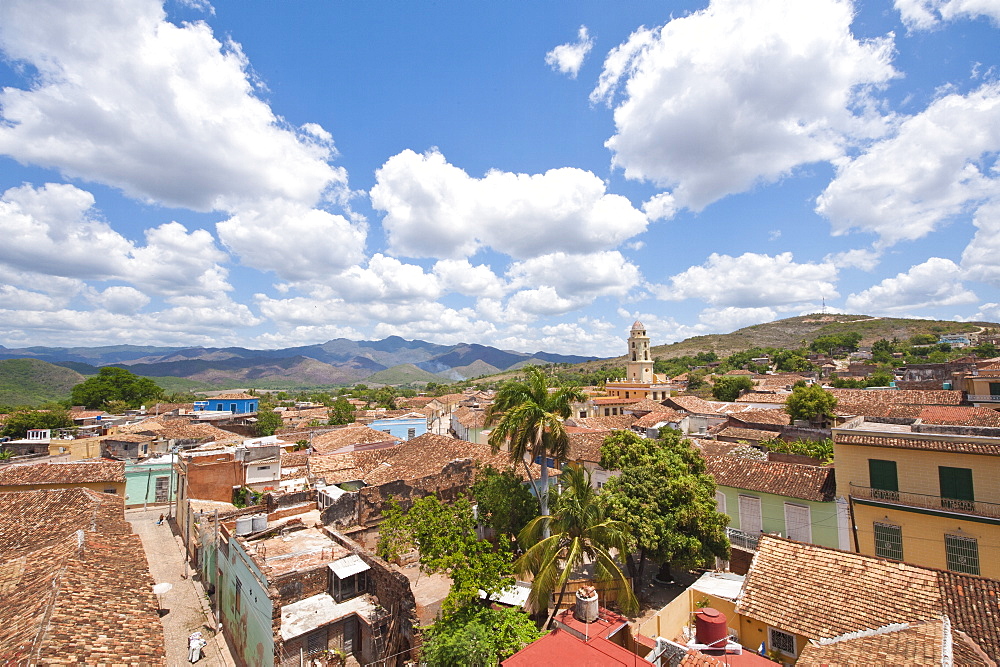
(160, 522)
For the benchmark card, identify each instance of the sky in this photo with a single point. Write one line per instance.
(532, 176)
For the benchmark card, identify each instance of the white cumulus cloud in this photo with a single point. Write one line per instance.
(934, 283)
(435, 209)
(925, 14)
(936, 166)
(568, 58)
(741, 92)
(752, 281)
(981, 258)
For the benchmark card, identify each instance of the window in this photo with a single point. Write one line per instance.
(110, 491)
(888, 541)
(239, 595)
(720, 501)
(962, 554)
(798, 522)
(411, 433)
(883, 480)
(956, 488)
(750, 517)
(316, 642)
(781, 641)
(263, 467)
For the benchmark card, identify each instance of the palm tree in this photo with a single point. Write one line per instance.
(581, 533)
(530, 419)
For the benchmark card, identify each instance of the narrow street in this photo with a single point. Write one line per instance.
(184, 608)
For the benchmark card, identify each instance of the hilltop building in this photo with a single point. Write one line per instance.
(640, 381)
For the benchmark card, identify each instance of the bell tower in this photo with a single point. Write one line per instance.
(640, 364)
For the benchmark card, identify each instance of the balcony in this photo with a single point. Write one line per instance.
(924, 501)
(745, 541)
(983, 398)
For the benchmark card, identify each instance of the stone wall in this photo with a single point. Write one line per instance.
(343, 512)
(448, 485)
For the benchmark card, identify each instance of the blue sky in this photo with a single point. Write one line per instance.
(525, 175)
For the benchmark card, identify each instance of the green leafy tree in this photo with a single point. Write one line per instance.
(268, 421)
(882, 350)
(578, 531)
(477, 636)
(811, 403)
(505, 504)
(18, 422)
(818, 449)
(528, 419)
(115, 384)
(116, 407)
(341, 412)
(985, 350)
(666, 498)
(729, 387)
(879, 379)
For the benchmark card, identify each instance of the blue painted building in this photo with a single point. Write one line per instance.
(405, 427)
(238, 404)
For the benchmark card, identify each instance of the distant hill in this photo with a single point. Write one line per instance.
(32, 382)
(335, 362)
(795, 332)
(403, 374)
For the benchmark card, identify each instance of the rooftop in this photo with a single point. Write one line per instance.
(559, 648)
(903, 436)
(792, 480)
(314, 612)
(79, 472)
(331, 441)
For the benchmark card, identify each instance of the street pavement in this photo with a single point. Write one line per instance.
(184, 608)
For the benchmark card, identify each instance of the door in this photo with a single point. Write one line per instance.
(883, 480)
(750, 517)
(162, 489)
(798, 522)
(956, 488)
(350, 627)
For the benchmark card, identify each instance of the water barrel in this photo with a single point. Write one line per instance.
(244, 525)
(710, 628)
(259, 522)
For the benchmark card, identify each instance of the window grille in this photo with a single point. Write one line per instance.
(888, 541)
(782, 641)
(962, 554)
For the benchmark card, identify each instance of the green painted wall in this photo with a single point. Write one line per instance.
(140, 482)
(250, 626)
(823, 516)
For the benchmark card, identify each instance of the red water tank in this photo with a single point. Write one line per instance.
(710, 628)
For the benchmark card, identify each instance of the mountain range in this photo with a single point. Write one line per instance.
(337, 361)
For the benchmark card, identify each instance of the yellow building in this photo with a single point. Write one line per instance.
(928, 495)
(640, 381)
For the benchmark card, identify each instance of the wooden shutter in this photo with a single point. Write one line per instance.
(882, 475)
(956, 483)
(750, 518)
(798, 522)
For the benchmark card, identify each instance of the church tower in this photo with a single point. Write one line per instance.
(640, 364)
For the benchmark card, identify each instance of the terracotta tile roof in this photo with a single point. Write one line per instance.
(973, 605)
(130, 437)
(691, 404)
(414, 401)
(86, 414)
(646, 405)
(234, 396)
(818, 592)
(782, 479)
(762, 416)
(763, 398)
(448, 399)
(713, 447)
(350, 435)
(603, 423)
(586, 446)
(654, 418)
(74, 586)
(749, 434)
(959, 415)
(470, 417)
(968, 446)
(825, 593)
(295, 459)
(905, 396)
(147, 425)
(917, 643)
(422, 456)
(80, 472)
(877, 409)
(178, 429)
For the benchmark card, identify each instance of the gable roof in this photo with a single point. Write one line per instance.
(67, 583)
(917, 643)
(664, 415)
(969, 445)
(896, 396)
(608, 423)
(585, 445)
(79, 472)
(646, 405)
(822, 593)
(560, 647)
(691, 404)
(762, 416)
(781, 479)
(330, 441)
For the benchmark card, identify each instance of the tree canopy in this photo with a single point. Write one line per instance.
(17, 423)
(811, 403)
(729, 387)
(505, 503)
(268, 421)
(666, 497)
(115, 384)
(341, 412)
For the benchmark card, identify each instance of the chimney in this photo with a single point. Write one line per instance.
(586, 609)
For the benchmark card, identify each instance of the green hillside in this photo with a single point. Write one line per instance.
(402, 374)
(32, 382)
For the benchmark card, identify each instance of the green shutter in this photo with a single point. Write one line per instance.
(956, 488)
(882, 475)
